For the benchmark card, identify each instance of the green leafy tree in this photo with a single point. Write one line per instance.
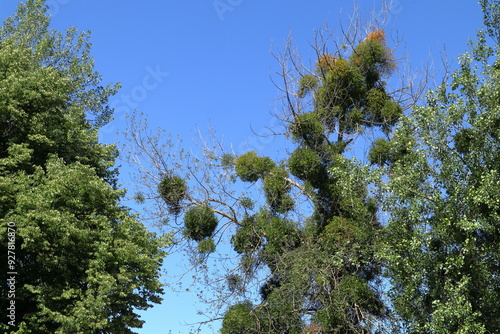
(84, 263)
(304, 229)
(443, 195)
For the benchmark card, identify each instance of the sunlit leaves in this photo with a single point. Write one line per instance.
(442, 196)
(250, 167)
(239, 319)
(276, 189)
(307, 84)
(307, 128)
(85, 263)
(173, 191)
(306, 165)
(200, 222)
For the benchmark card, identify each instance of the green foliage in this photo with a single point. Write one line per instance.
(173, 191)
(239, 319)
(442, 195)
(369, 53)
(280, 313)
(250, 167)
(382, 110)
(200, 222)
(306, 165)
(206, 246)
(70, 232)
(340, 232)
(36, 112)
(248, 238)
(139, 198)
(342, 88)
(277, 315)
(247, 203)
(281, 235)
(235, 283)
(307, 127)
(307, 84)
(373, 59)
(390, 113)
(305, 237)
(339, 317)
(27, 30)
(388, 152)
(321, 269)
(463, 140)
(351, 93)
(380, 152)
(325, 63)
(276, 188)
(491, 17)
(228, 160)
(85, 264)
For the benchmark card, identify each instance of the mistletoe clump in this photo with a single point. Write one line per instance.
(250, 167)
(200, 222)
(173, 190)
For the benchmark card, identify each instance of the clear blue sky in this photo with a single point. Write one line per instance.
(188, 64)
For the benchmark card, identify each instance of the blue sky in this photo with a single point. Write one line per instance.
(188, 64)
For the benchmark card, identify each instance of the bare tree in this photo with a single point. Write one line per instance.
(231, 255)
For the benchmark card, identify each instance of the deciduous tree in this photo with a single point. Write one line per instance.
(442, 196)
(83, 263)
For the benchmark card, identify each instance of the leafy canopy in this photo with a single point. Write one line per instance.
(84, 263)
(443, 195)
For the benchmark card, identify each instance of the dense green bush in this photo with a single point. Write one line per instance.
(306, 165)
(173, 190)
(307, 127)
(250, 167)
(239, 319)
(380, 152)
(206, 246)
(200, 222)
(276, 188)
(248, 238)
(463, 140)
